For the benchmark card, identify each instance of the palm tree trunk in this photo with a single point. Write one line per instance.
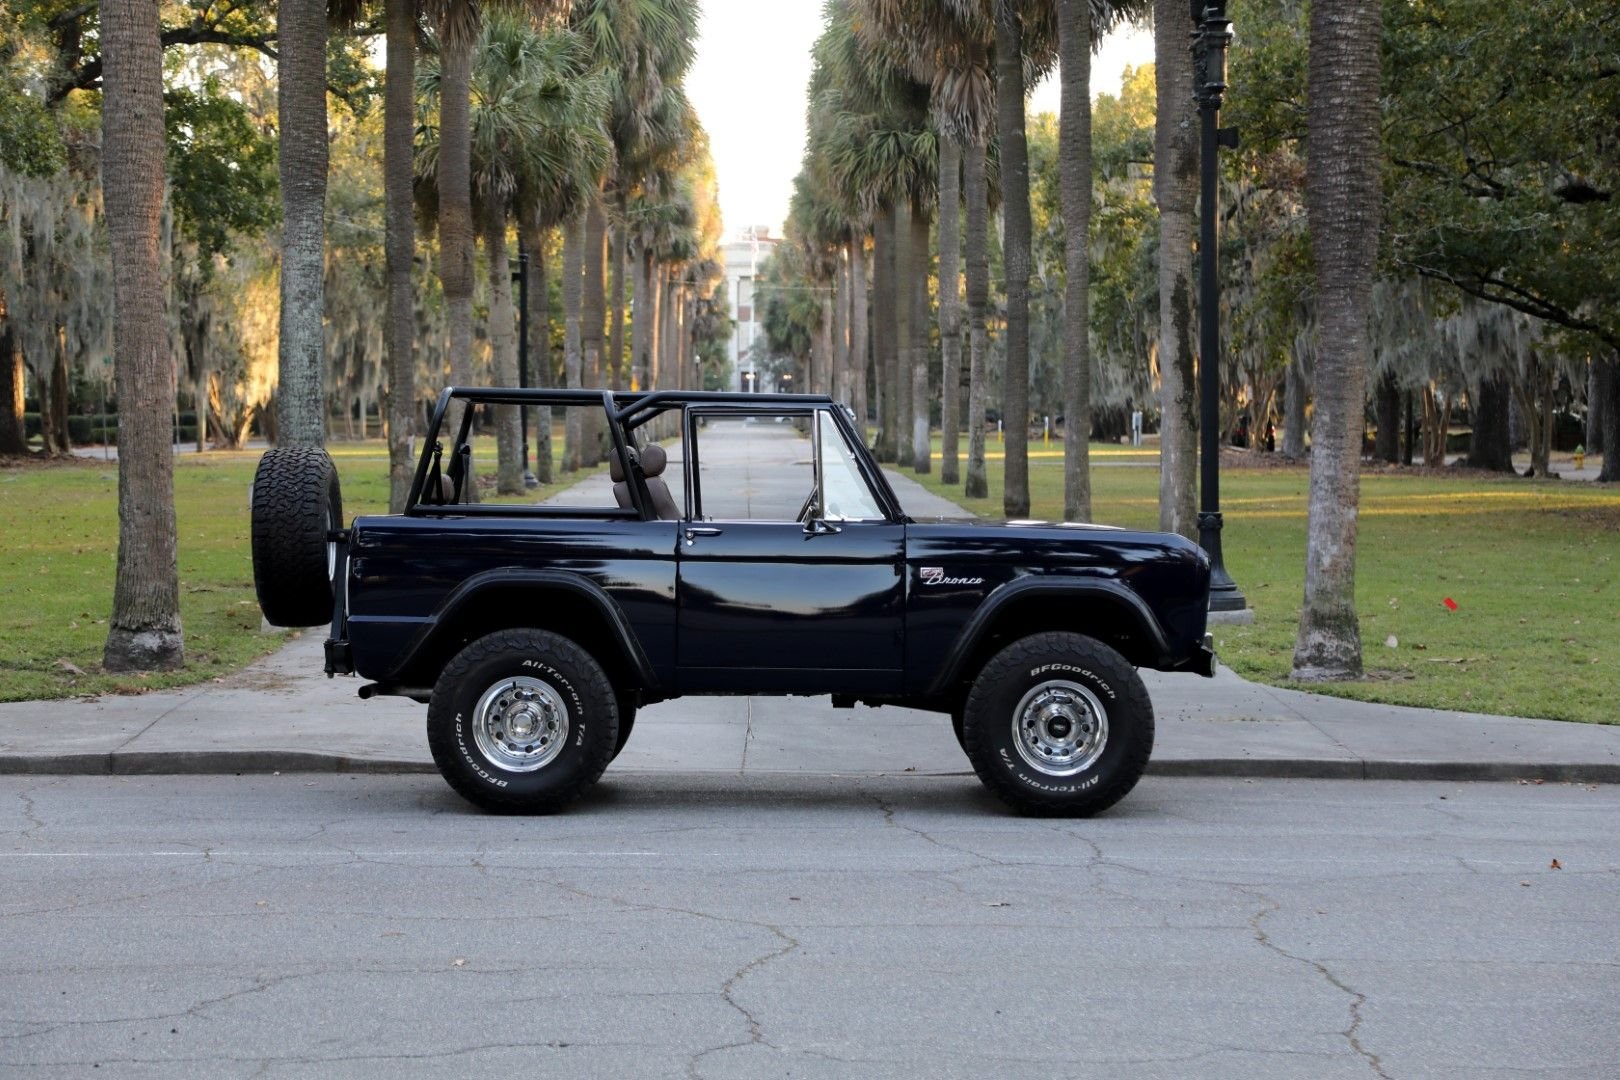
(1175, 156)
(594, 313)
(641, 322)
(399, 243)
(669, 369)
(503, 349)
(921, 401)
(883, 332)
(821, 352)
(838, 376)
(144, 630)
(684, 358)
(301, 104)
(573, 287)
(540, 370)
(976, 192)
(905, 264)
(1015, 253)
(950, 307)
(860, 347)
(455, 195)
(619, 253)
(1342, 197)
(655, 300)
(1074, 163)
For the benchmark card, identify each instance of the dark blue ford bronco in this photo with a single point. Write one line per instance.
(738, 544)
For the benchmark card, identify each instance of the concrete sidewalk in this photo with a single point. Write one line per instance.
(282, 714)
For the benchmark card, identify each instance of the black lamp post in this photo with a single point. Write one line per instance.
(521, 276)
(1211, 33)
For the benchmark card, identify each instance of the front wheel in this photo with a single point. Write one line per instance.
(1058, 724)
(522, 721)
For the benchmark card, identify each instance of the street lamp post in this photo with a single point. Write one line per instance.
(1211, 33)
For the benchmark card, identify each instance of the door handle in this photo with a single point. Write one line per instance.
(695, 531)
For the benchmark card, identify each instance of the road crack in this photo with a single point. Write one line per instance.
(1352, 1033)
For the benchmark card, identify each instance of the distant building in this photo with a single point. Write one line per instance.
(743, 256)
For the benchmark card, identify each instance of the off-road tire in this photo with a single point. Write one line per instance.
(296, 502)
(1022, 669)
(576, 680)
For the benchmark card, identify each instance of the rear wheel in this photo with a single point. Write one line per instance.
(522, 721)
(1058, 724)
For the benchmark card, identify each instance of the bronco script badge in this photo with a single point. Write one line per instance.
(935, 575)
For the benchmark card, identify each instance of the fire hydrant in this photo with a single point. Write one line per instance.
(1580, 456)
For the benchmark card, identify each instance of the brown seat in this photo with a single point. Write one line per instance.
(652, 461)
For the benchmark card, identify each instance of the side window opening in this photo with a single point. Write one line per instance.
(755, 466)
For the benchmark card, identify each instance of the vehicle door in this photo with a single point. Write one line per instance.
(789, 567)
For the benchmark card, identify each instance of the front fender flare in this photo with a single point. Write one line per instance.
(967, 642)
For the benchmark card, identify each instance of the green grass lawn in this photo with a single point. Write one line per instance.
(1533, 566)
(59, 540)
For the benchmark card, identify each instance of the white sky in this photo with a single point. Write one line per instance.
(748, 84)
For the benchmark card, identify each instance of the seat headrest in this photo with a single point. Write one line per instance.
(616, 466)
(653, 460)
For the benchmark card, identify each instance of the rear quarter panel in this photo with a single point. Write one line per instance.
(401, 570)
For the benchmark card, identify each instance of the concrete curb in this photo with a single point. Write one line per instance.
(231, 762)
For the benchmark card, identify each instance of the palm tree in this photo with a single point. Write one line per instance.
(553, 191)
(144, 630)
(536, 125)
(919, 398)
(976, 196)
(301, 105)
(645, 48)
(457, 23)
(1342, 198)
(1015, 253)
(1175, 168)
(1074, 164)
(399, 130)
(947, 46)
(573, 286)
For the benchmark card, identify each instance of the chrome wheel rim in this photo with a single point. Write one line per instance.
(1060, 728)
(520, 724)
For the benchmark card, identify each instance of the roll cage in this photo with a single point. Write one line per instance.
(626, 412)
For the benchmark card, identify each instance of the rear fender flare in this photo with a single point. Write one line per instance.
(508, 578)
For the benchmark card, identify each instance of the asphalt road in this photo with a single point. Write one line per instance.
(706, 926)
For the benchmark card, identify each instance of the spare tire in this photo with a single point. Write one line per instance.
(296, 503)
